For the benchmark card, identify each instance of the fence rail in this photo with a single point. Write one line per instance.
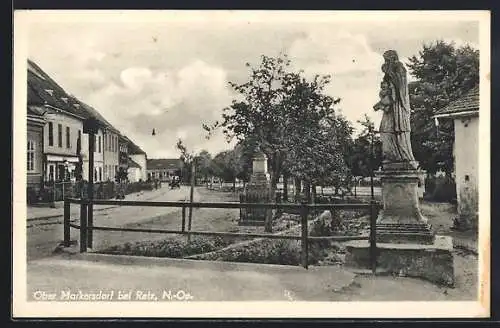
(86, 226)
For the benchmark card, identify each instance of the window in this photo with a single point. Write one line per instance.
(105, 142)
(95, 143)
(105, 171)
(95, 174)
(68, 138)
(59, 135)
(100, 173)
(99, 143)
(51, 134)
(31, 156)
(80, 137)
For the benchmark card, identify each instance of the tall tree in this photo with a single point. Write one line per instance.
(203, 162)
(228, 165)
(282, 112)
(444, 73)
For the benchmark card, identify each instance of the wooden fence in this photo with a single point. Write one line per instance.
(87, 227)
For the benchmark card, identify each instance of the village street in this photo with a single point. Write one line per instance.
(44, 235)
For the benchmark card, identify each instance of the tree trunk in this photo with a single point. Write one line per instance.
(285, 188)
(272, 197)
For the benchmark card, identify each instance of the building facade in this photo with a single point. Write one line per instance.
(138, 156)
(34, 155)
(134, 171)
(123, 159)
(464, 113)
(111, 153)
(60, 136)
(98, 156)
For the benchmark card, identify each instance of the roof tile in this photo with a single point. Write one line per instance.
(466, 103)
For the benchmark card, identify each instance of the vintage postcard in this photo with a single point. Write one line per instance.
(274, 164)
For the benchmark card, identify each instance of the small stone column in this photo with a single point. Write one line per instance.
(257, 191)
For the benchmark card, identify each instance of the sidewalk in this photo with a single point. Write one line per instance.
(203, 280)
(40, 213)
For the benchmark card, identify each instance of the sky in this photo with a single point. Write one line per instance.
(169, 71)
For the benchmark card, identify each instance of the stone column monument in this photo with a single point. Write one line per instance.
(257, 191)
(405, 241)
(400, 220)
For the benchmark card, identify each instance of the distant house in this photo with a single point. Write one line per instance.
(138, 156)
(465, 115)
(134, 171)
(164, 168)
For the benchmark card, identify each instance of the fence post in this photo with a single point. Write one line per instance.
(304, 241)
(83, 227)
(67, 235)
(90, 224)
(183, 218)
(373, 236)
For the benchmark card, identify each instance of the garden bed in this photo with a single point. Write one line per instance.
(255, 250)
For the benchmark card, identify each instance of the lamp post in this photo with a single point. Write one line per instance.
(372, 160)
(90, 127)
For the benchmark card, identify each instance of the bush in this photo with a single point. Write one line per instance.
(174, 248)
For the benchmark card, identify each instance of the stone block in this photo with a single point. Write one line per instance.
(401, 221)
(257, 191)
(430, 262)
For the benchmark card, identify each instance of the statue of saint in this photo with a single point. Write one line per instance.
(395, 104)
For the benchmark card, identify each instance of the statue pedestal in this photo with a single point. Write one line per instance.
(257, 191)
(400, 220)
(406, 244)
(430, 262)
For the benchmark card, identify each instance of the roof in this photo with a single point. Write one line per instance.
(132, 163)
(133, 148)
(43, 90)
(163, 163)
(465, 105)
(34, 111)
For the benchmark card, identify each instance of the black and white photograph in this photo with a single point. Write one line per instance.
(240, 163)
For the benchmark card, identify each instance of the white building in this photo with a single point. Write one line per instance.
(60, 135)
(64, 116)
(134, 171)
(465, 115)
(139, 157)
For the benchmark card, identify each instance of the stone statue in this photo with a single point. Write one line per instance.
(395, 125)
